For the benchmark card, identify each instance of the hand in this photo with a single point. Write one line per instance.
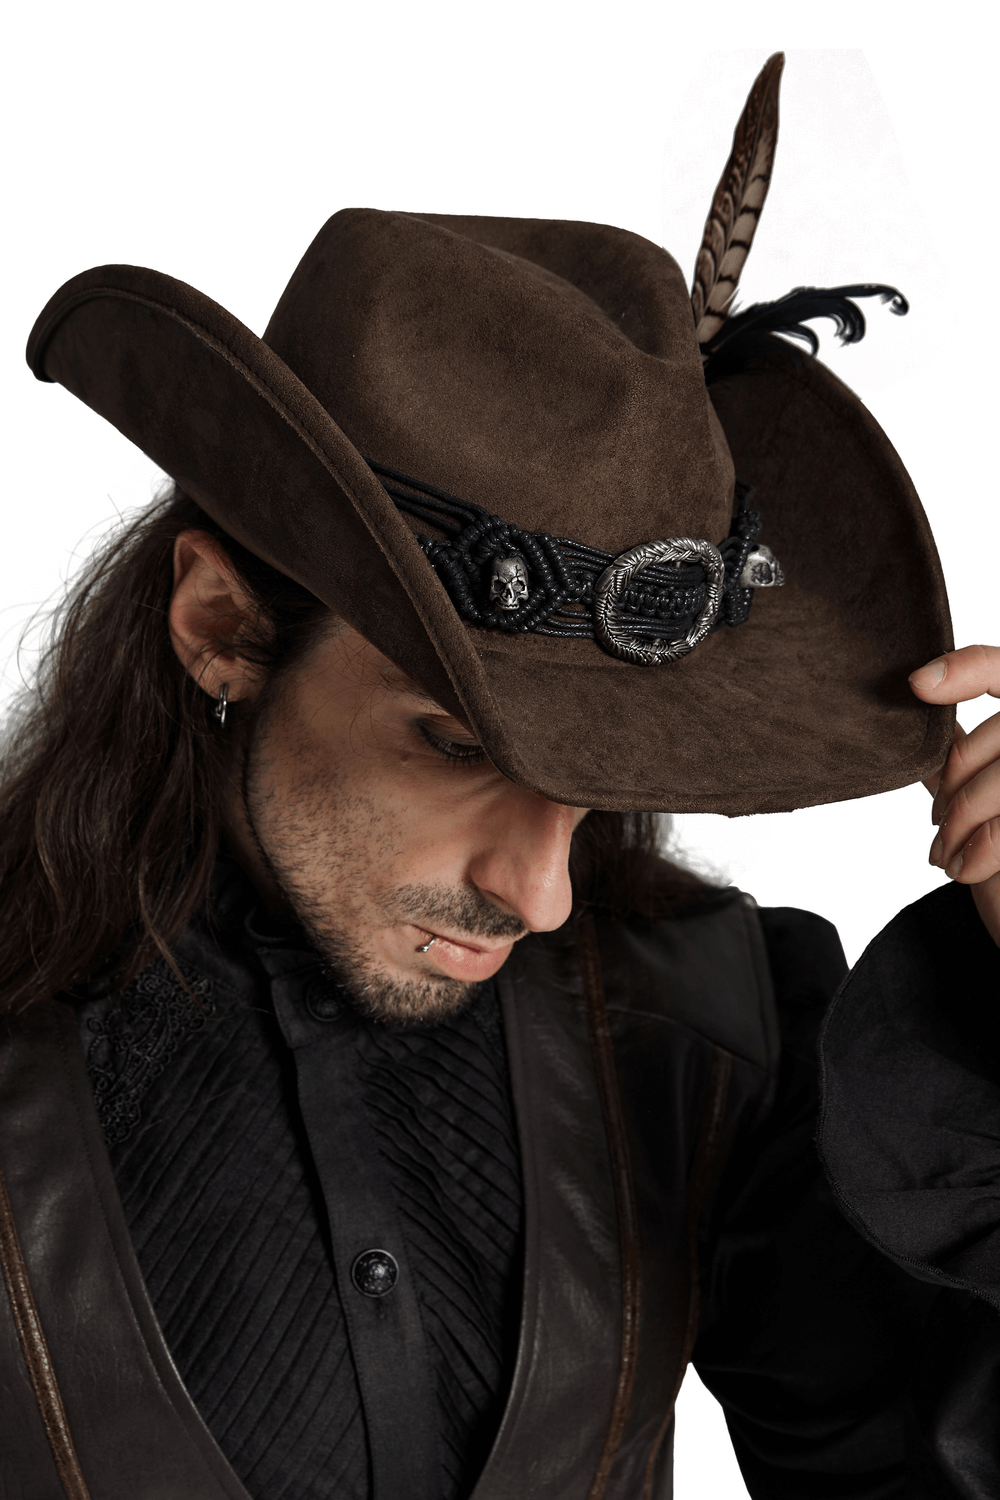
(967, 792)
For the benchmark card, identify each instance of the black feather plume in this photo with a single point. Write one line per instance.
(788, 313)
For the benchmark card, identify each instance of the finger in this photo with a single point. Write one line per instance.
(972, 806)
(970, 754)
(933, 783)
(959, 675)
(987, 899)
(978, 859)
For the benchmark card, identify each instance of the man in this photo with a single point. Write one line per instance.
(380, 1114)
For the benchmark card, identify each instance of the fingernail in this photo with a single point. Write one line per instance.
(931, 674)
(937, 808)
(937, 851)
(955, 868)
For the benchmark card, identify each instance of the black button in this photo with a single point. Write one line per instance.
(322, 1001)
(374, 1273)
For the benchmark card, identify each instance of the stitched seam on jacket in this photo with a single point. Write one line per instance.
(760, 964)
(701, 1191)
(607, 1082)
(630, 1013)
(36, 1353)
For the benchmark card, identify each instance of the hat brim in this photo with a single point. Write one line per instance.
(806, 703)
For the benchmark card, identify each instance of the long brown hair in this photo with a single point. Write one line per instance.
(114, 774)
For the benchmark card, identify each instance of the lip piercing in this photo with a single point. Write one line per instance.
(427, 945)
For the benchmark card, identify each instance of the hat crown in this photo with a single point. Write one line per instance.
(547, 371)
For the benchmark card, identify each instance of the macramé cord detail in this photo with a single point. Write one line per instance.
(561, 572)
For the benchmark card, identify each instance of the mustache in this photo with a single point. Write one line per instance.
(465, 912)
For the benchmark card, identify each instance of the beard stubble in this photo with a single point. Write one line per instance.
(320, 824)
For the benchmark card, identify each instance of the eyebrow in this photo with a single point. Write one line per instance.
(397, 682)
(399, 685)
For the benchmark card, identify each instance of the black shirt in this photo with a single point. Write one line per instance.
(243, 1251)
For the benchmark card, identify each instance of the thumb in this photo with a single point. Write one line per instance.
(959, 675)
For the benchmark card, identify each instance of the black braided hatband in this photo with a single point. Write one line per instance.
(553, 578)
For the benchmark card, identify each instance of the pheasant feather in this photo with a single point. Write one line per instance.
(739, 198)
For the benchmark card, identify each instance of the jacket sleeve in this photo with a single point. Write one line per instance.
(910, 1138)
(808, 1335)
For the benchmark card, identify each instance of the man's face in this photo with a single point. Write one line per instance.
(378, 818)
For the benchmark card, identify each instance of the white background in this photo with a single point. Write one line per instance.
(211, 140)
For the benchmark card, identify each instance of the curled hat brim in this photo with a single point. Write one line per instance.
(806, 703)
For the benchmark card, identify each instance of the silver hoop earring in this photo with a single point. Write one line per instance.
(220, 708)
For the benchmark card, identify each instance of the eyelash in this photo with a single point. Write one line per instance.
(450, 750)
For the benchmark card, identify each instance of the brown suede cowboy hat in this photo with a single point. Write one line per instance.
(507, 453)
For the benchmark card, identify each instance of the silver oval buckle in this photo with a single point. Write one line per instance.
(617, 578)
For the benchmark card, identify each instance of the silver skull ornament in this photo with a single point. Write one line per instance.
(509, 582)
(761, 570)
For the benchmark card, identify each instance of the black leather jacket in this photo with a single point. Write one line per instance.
(664, 1085)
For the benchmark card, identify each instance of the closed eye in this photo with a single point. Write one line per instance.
(458, 752)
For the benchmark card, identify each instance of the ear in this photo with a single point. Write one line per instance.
(209, 609)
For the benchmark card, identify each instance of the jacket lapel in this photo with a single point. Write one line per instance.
(566, 1378)
(131, 1423)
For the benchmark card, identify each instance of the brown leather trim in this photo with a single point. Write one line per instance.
(607, 1083)
(555, 1421)
(701, 1190)
(36, 1353)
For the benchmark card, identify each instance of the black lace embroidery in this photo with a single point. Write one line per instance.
(136, 1038)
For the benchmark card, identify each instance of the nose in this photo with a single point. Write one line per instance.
(523, 862)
